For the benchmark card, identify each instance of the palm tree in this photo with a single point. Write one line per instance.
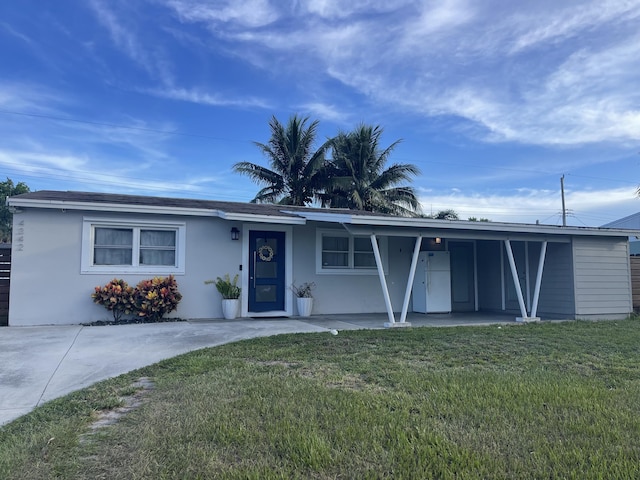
(357, 178)
(295, 173)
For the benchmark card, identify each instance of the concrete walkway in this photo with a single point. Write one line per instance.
(38, 364)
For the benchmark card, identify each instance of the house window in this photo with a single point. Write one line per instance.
(141, 247)
(335, 251)
(340, 253)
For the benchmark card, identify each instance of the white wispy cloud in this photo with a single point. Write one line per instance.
(590, 207)
(437, 17)
(29, 97)
(326, 112)
(13, 32)
(94, 173)
(546, 74)
(133, 157)
(332, 9)
(569, 22)
(206, 98)
(123, 34)
(250, 13)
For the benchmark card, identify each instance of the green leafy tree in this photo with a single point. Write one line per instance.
(448, 214)
(356, 177)
(296, 170)
(8, 189)
(474, 219)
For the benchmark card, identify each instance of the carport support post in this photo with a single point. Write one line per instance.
(383, 281)
(516, 281)
(412, 274)
(536, 292)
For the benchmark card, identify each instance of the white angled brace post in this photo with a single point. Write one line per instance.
(536, 292)
(516, 281)
(412, 274)
(383, 281)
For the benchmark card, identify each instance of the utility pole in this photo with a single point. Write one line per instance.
(564, 210)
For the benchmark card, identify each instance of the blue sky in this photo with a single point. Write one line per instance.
(494, 100)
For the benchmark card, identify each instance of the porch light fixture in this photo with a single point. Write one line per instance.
(438, 240)
(235, 234)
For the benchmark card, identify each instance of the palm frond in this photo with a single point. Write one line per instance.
(395, 174)
(257, 173)
(268, 194)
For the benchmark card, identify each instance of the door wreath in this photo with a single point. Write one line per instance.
(265, 252)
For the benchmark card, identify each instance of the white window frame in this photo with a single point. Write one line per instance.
(351, 269)
(88, 237)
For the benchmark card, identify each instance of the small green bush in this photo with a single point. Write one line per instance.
(116, 296)
(227, 287)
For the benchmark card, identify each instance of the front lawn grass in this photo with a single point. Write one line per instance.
(550, 400)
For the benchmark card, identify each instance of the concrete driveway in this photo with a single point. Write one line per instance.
(38, 364)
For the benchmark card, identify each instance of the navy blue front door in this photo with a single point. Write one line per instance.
(266, 271)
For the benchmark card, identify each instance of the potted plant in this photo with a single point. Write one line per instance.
(304, 298)
(230, 292)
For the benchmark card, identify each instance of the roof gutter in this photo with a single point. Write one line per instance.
(477, 229)
(151, 209)
(454, 234)
(110, 207)
(248, 217)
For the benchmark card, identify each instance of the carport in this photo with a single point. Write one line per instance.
(509, 264)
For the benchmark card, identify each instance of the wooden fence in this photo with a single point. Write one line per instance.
(635, 281)
(5, 279)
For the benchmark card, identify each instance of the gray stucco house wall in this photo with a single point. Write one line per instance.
(585, 270)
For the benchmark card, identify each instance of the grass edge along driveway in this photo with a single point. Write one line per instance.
(549, 400)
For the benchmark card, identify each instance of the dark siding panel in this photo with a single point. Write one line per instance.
(556, 290)
(5, 274)
(489, 296)
(635, 281)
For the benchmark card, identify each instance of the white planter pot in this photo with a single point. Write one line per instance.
(230, 308)
(305, 305)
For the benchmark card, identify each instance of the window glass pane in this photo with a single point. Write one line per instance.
(362, 244)
(113, 236)
(272, 243)
(266, 269)
(112, 256)
(364, 260)
(157, 238)
(340, 244)
(157, 257)
(266, 293)
(113, 246)
(157, 247)
(335, 259)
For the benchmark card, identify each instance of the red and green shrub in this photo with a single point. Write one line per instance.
(156, 297)
(149, 300)
(116, 296)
